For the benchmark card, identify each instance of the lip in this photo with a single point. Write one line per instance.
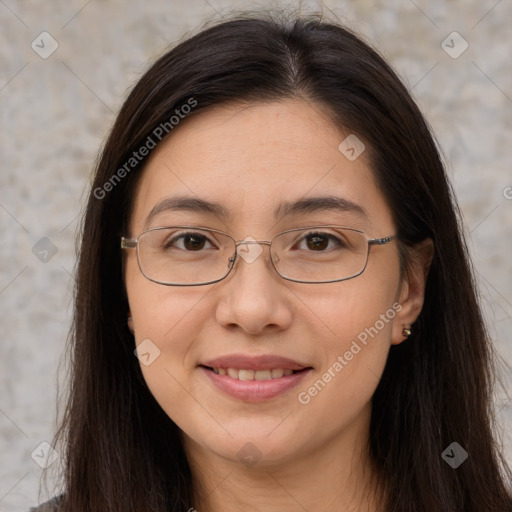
(254, 390)
(246, 362)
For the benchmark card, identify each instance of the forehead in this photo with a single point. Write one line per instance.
(255, 160)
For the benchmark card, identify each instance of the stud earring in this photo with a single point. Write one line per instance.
(406, 331)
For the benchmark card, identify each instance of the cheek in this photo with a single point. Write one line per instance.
(346, 309)
(156, 309)
(354, 322)
(170, 317)
(167, 320)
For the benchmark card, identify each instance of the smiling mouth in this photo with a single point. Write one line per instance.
(248, 374)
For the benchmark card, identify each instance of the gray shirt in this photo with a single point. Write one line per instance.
(49, 506)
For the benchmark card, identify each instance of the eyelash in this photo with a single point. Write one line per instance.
(169, 243)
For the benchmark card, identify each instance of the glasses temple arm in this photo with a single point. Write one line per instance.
(382, 241)
(128, 243)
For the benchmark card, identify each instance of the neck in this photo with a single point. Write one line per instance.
(335, 476)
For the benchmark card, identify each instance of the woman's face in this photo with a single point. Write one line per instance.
(252, 160)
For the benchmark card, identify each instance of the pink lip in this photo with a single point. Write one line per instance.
(245, 362)
(254, 390)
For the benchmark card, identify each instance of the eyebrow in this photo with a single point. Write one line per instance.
(284, 209)
(318, 204)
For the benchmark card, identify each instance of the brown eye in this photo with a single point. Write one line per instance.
(319, 242)
(192, 242)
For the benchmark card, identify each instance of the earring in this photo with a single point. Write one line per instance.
(406, 331)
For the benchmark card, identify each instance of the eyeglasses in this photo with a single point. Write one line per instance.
(194, 256)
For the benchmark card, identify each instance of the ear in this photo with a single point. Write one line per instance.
(412, 289)
(130, 323)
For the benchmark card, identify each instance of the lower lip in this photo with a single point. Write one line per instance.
(255, 390)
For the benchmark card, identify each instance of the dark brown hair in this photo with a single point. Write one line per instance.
(122, 451)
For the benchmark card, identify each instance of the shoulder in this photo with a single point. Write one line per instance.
(49, 506)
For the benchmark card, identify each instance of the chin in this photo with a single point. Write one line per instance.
(254, 446)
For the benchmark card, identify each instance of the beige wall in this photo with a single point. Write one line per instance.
(55, 112)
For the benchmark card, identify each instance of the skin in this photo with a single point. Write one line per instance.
(250, 158)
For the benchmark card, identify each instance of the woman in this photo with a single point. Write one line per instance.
(274, 302)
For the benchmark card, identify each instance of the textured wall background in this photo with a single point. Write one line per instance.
(56, 109)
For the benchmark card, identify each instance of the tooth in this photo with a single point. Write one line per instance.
(233, 373)
(262, 375)
(246, 374)
(276, 373)
(215, 370)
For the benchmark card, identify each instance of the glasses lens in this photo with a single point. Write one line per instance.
(184, 255)
(320, 254)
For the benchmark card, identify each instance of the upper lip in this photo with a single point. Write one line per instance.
(247, 362)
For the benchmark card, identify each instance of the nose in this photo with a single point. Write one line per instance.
(254, 297)
(249, 249)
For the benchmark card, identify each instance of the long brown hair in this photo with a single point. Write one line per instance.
(122, 452)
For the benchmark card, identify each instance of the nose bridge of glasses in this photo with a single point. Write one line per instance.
(249, 250)
(246, 242)
(242, 249)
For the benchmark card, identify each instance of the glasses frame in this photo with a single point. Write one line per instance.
(133, 243)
